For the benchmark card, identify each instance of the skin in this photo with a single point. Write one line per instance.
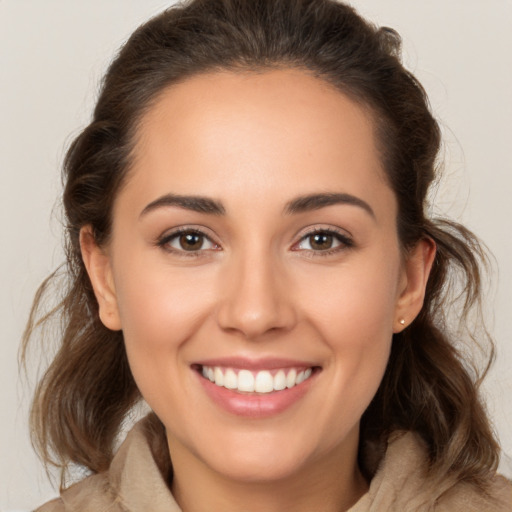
(257, 287)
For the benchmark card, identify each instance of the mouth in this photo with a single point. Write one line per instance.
(259, 382)
(256, 388)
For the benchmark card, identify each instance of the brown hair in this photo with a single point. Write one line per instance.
(87, 391)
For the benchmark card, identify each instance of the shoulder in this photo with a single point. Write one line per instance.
(467, 498)
(90, 495)
(135, 479)
(52, 506)
(402, 482)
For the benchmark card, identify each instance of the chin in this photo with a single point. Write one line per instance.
(262, 457)
(253, 468)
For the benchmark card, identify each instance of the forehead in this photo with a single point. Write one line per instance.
(251, 133)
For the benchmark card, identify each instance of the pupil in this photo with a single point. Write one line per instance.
(321, 241)
(191, 241)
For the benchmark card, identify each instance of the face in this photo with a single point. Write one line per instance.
(254, 245)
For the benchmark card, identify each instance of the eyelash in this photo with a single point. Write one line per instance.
(164, 241)
(345, 242)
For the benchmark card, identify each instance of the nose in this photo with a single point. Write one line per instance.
(256, 298)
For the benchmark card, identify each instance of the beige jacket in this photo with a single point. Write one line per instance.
(135, 484)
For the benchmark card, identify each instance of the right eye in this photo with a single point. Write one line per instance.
(188, 240)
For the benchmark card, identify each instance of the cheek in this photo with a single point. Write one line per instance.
(359, 299)
(158, 303)
(160, 308)
(353, 309)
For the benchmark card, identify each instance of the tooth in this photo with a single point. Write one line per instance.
(279, 380)
(219, 377)
(245, 381)
(290, 378)
(264, 383)
(230, 379)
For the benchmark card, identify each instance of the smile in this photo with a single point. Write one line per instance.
(256, 389)
(263, 381)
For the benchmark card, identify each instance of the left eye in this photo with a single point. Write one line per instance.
(189, 241)
(322, 241)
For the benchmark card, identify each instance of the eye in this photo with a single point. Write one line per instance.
(187, 240)
(323, 240)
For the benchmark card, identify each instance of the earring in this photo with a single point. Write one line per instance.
(402, 321)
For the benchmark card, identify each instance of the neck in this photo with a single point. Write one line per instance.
(331, 484)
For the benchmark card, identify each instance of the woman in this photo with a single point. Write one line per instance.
(248, 251)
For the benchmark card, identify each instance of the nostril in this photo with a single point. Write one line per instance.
(255, 316)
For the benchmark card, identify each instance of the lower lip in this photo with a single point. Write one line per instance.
(255, 405)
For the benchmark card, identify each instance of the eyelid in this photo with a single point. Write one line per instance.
(163, 240)
(346, 240)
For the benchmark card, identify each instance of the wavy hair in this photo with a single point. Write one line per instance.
(429, 386)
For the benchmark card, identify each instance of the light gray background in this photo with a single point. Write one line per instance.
(52, 56)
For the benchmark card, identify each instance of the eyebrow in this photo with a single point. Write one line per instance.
(194, 203)
(300, 204)
(316, 201)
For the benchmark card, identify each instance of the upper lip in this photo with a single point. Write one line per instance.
(267, 363)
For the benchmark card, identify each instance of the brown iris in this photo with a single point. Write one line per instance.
(191, 241)
(321, 241)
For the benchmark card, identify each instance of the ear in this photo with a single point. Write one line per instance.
(98, 265)
(417, 265)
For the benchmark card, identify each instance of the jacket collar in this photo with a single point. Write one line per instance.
(135, 476)
(402, 481)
